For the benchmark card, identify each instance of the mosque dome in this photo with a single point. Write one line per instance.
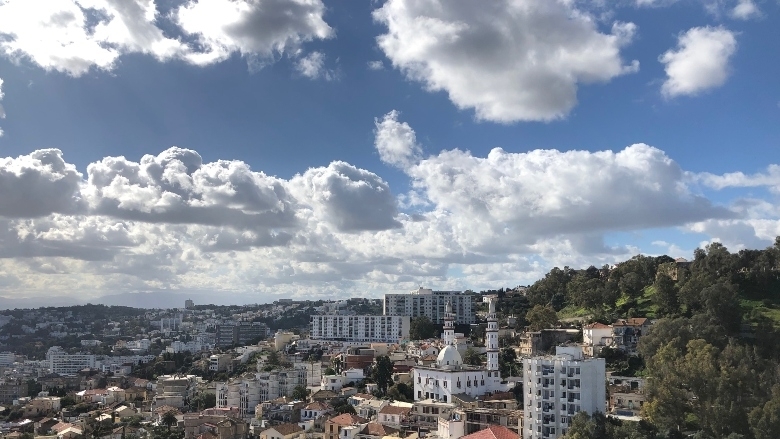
(449, 356)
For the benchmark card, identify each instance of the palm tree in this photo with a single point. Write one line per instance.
(169, 419)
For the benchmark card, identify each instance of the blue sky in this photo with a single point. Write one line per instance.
(348, 148)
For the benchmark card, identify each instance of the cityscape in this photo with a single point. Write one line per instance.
(620, 346)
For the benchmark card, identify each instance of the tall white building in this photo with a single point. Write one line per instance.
(242, 393)
(449, 376)
(7, 358)
(380, 329)
(60, 362)
(558, 387)
(429, 303)
(247, 391)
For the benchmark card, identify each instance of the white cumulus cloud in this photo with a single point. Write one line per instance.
(262, 29)
(396, 141)
(514, 199)
(173, 221)
(349, 198)
(74, 36)
(745, 10)
(700, 61)
(375, 65)
(312, 66)
(39, 184)
(509, 60)
(770, 179)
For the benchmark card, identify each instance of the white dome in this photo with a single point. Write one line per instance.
(449, 356)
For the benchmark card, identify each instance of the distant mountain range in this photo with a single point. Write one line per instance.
(151, 299)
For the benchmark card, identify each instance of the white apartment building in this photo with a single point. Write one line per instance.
(175, 390)
(249, 390)
(426, 302)
(193, 346)
(242, 393)
(62, 363)
(7, 358)
(558, 387)
(368, 329)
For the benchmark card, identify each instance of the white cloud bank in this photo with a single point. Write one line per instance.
(74, 36)
(171, 221)
(2, 110)
(700, 61)
(508, 60)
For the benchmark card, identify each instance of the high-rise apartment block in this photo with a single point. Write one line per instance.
(239, 333)
(63, 363)
(367, 329)
(429, 303)
(559, 386)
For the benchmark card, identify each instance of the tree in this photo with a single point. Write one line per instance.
(551, 290)
(273, 359)
(169, 419)
(401, 392)
(300, 393)
(421, 328)
(541, 317)
(472, 357)
(721, 302)
(631, 284)
(665, 296)
(506, 362)
(765, 419)
(583, 426)
(345, 408)
(203, 401)
(383, 373)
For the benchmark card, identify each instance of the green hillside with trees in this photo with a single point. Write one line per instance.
(712, 359)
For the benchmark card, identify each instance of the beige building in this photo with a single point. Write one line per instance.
(334, 426)
(219, 425)
(282, 431)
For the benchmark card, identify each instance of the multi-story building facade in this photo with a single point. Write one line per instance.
(429, 303)
(62, 363)
(239, 333)
(383, 329)
(242, 393)
(7, 359)
(558, 387)
(175, 390)
(246, 392)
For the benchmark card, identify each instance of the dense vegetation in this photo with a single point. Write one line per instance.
(712, 355)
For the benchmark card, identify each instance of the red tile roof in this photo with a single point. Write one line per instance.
(347, 419)
(597, 325)
(287, 429)
(374, 429)
(493, 432)
(394, 410)
(317, 406)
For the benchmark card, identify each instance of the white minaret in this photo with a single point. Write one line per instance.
(491, 336)
(449, 325)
